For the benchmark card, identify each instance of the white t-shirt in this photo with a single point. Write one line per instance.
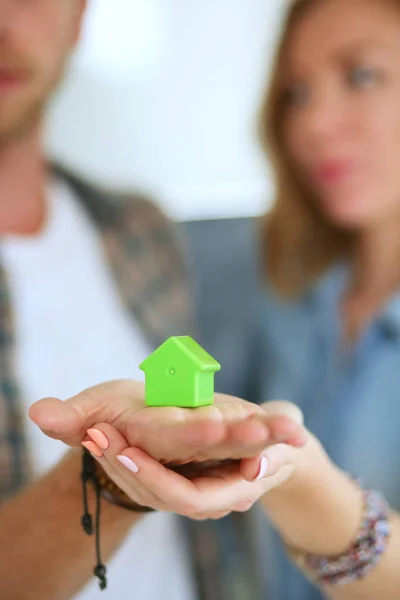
(72, 332)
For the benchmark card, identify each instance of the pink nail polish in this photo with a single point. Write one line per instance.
(93, 448)
(99, 438)
(263, 468)
(128, 463)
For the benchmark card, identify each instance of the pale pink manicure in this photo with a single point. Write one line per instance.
(128, 463)
(93, 448)
(99, 438)
(263, 468)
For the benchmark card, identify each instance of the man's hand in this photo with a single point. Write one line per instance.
(230, 429)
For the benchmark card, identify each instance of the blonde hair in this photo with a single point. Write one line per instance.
(299, 243)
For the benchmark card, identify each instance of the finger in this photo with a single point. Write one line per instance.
(245, 433)
(251, 407)
(283, 429)
(212, 432)
(235, 435)
(170, 439)
(68, 420)
(170, 491)
(282, 407)
(188, 439)
(247, 438)
(107, 443)
(174, 434)
(269, 463)
(107, 438)
(236, 409)
(204, 495)
(250, 437)
(201, 497)
(112, 452)
(58, 420)
(214, 515)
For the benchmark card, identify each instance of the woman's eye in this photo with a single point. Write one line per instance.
(297, 95)
(361, 77)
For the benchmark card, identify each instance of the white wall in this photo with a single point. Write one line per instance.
(163, 95)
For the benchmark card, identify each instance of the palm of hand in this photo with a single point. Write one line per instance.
(231, 428)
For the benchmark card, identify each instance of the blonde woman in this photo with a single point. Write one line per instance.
(330, 313)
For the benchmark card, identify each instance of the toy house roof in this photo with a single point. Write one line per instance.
(189, 347)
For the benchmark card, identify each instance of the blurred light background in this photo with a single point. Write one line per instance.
(162, 95)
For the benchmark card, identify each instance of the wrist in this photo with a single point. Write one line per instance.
(319, 508)
(114, 495)
(94, 473)
(311, 469)
(363, 553)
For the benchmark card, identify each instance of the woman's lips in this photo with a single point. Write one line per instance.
(334, 172)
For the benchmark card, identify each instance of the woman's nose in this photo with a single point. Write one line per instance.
(323, 117)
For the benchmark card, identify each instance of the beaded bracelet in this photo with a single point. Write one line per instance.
(361, 557)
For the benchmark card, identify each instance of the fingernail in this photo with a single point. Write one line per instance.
(93, 448)
(128, 463)
(99, 438)
(263, 468)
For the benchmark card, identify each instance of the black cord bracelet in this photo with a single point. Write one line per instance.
(89, 474)
(103, 487)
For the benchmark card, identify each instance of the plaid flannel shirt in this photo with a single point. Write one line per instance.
(142, 249)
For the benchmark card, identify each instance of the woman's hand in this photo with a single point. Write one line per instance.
(203, 490)
(288, 435)
(311, 480)
(230, 429)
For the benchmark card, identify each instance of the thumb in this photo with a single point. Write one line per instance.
(272, 461)
(60, 420)
(69, 420)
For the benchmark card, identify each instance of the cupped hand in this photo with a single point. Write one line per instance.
(197, 491)
(287, 433)
(229, 429)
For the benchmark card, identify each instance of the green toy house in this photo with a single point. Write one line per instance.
(179, 373)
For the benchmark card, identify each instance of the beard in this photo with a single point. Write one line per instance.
(19, 124)
(22, 112)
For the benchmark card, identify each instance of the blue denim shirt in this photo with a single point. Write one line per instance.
(290, 350)
(351, 400)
